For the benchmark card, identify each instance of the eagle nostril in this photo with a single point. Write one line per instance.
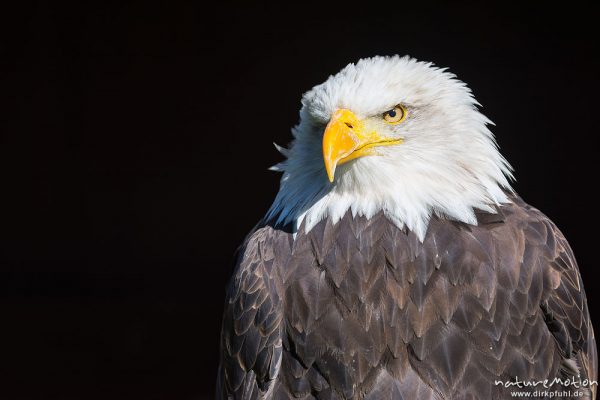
(349, 125)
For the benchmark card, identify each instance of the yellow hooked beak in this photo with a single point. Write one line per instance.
(346, 138)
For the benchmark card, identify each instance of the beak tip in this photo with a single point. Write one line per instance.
(330, 175)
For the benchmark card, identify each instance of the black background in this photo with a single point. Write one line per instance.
(136, 138)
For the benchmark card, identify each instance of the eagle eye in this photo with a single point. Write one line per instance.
(395, 115)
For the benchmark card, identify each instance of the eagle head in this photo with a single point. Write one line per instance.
(392, 135)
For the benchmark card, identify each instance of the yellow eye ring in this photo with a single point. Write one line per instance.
(395, 115)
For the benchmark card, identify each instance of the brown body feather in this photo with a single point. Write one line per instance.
(364, 310)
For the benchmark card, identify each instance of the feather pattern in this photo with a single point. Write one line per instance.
(364, 310)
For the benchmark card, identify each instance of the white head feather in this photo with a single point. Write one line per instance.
(448, 164)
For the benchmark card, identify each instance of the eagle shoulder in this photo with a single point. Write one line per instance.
(563, 302)
(251, 344)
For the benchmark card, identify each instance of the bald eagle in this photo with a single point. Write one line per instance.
(397, 262)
